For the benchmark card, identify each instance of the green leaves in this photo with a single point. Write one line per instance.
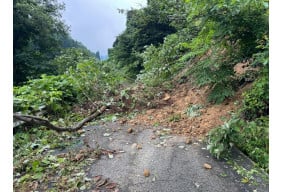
(70, 57)
(51, 93)
(38, 31)
(250, 137)
(228, 32)
(220, 139)
(144, 27)
(162, 62)
(194, 110)
(54, 167)
(256, 100)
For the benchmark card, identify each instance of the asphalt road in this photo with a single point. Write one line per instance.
(174, 165)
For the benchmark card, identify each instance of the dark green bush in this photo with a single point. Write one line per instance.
(256, 100)
(253, 139)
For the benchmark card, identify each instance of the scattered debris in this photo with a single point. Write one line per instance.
(111, 185)
(97, 178)
(101, 182)
(170, 114)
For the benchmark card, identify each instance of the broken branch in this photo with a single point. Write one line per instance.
(44, 122)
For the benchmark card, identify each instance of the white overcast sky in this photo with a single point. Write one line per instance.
(96, 23)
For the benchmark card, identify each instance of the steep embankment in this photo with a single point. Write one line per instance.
(185, 109)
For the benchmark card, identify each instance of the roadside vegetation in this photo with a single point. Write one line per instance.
(165, 42)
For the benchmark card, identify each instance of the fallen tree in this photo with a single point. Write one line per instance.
(35, 120)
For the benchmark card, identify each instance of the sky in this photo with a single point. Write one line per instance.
(97, 23)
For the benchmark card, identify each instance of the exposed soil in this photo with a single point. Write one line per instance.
(171, 111)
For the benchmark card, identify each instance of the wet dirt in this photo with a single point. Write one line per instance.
(172, 111)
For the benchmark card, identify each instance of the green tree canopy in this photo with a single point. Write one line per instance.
(38, 34)
(144, 27)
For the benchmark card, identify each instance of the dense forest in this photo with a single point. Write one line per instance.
(166, 41)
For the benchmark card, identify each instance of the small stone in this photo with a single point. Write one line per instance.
(134, 145)
(123, 121)
(207, 166)
(197, 185)
(80, 131)
(139, 146)
(130, 130)
(107, 134)
(188, 141)
(110, 155)
(167, 97)
(181, 147)
(146, 173)
(153, 137)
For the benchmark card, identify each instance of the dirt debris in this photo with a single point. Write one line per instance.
(174, 114)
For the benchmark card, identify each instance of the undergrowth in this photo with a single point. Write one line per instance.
(248, 129)
(41, 161)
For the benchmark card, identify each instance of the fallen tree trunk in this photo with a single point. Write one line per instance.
(44, 122)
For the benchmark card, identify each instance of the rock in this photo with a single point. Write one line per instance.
(139, 146)
(207, 166)
(134, 145)
(79, 157)
(106, 134)
(167, 97)
(153, 137)
(123, 121)
(197, 185)
(129, 130)
(146, 172)
(188, 141)
(80, 131)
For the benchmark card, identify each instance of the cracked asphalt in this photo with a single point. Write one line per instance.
(174, 165)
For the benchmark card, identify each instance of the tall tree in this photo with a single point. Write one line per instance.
(38, 34)
(144, 27)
